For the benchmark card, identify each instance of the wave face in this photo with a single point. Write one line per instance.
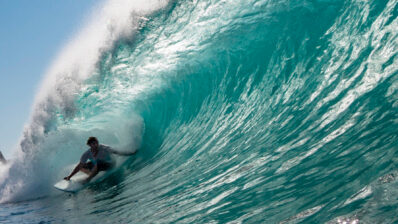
(246, 111)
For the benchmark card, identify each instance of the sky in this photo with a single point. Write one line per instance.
(32, 33)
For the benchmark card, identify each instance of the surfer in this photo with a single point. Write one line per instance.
(99, 157)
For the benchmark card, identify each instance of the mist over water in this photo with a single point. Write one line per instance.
(243, 111)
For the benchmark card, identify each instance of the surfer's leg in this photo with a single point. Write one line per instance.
(87, 167)
(94, 172)
(103, 166)
(85, 171)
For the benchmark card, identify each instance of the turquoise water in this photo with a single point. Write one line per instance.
(242, 112)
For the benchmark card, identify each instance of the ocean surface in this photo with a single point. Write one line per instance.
(243, 111)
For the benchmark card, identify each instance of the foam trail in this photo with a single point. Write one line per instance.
(110, 21)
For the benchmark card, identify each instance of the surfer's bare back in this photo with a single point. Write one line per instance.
(99, 159)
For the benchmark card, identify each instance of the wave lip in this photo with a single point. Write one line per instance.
(55, 103)
(270, 106)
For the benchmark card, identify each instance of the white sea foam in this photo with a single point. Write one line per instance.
(28, 175)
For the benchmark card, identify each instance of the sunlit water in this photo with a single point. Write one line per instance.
(243, 112)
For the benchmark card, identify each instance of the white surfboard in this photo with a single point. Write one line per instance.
(75, 183)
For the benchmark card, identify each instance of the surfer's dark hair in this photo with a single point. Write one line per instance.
(91, 140)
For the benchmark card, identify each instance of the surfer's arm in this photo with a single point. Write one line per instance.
(125, 153)
(111, 150)
(75, 170)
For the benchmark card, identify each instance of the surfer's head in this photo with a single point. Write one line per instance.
(92, 142)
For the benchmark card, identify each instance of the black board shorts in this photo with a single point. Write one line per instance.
(102, 166)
